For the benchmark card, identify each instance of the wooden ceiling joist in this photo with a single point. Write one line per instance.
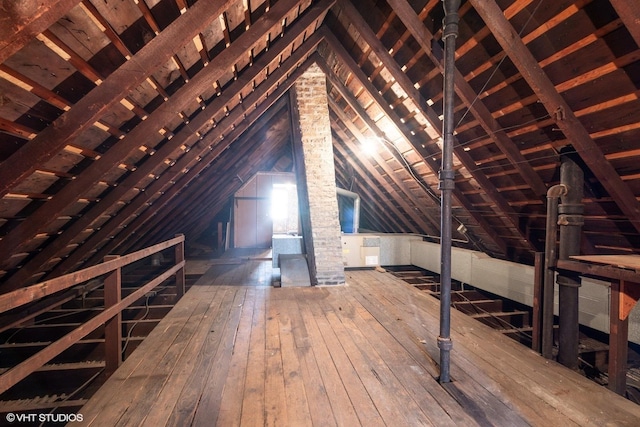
(558, 108)
(383, 105)
(107, 150)
(41, 218)
(114, 88)
(218, 146)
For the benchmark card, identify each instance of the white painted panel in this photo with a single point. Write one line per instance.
(395, 249)
(594, 304)
(426, 255)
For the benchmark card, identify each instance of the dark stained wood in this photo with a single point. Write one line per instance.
(383, 105)
(143, 220)
(113, 326)
(407, 200)
(629, 13)
(424, 37)
(21, 21)
(23, 369)
(41, 218)
(374, 189)
(464, 91)
(185, 137)
(180, 275)
(11, 300)
(361, 354)
(559, 109)
(33, 154)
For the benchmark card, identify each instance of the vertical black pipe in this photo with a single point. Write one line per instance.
(553, 194)
(570, 221)
(450, 32)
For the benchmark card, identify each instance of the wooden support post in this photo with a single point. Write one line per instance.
(536, 321)
(180, 274)
(624, 296)
(113, 326)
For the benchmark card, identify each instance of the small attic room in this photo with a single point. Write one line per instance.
(319, 212)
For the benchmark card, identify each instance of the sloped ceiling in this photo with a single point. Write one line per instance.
(124, 122)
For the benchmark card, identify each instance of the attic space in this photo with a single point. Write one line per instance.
(311, 170)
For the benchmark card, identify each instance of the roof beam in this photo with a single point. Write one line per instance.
(629, 13)
(381, 183)
(407, 194)
(21, 21)
(371, 194)
(186, 137)
(73, 190)
(384, 106)
(96, 103)
(482, 114)
(558, 108)
(214, 136)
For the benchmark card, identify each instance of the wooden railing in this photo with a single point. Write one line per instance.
(111, 269)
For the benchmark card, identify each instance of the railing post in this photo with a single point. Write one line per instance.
(538, 284)
(180, 274)
(113, 326)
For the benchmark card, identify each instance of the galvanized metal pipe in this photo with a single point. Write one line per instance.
(570, 220)
(356, 206)
(553, 194)
(447, 184)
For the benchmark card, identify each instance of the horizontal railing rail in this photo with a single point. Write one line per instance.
(110, 316)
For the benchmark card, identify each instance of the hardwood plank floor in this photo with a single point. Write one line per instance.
(360, 354)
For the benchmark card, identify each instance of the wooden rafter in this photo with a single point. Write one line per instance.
(70, 193)
(20, 22)
(213, 137)
(114, 88)
(629, 13)
(558, 108)
(185, 137)
(468, 96)
(407, 195)
(368, 86)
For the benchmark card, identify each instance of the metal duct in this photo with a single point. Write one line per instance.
(356, 206)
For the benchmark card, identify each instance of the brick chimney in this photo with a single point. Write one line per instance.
(315, 169)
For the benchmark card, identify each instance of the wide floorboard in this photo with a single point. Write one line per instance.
(360, 354)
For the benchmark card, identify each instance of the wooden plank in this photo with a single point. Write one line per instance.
(274, 402)
(320, 409)
(113, 326)
(362, 352)
(337, 390)
(97, 410)
(160, 406)
(89, 109)
(253, 406)
(210, 399)
(514, 369)
(230, 412)
(20, 22)
(363, 403)
(620, 261)
(23, 369)
(183, 411)
(297, 407)
(384, 386)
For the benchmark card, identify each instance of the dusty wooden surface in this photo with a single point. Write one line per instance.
(362, 354)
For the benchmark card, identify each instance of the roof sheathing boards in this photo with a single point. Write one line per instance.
(582, 46)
